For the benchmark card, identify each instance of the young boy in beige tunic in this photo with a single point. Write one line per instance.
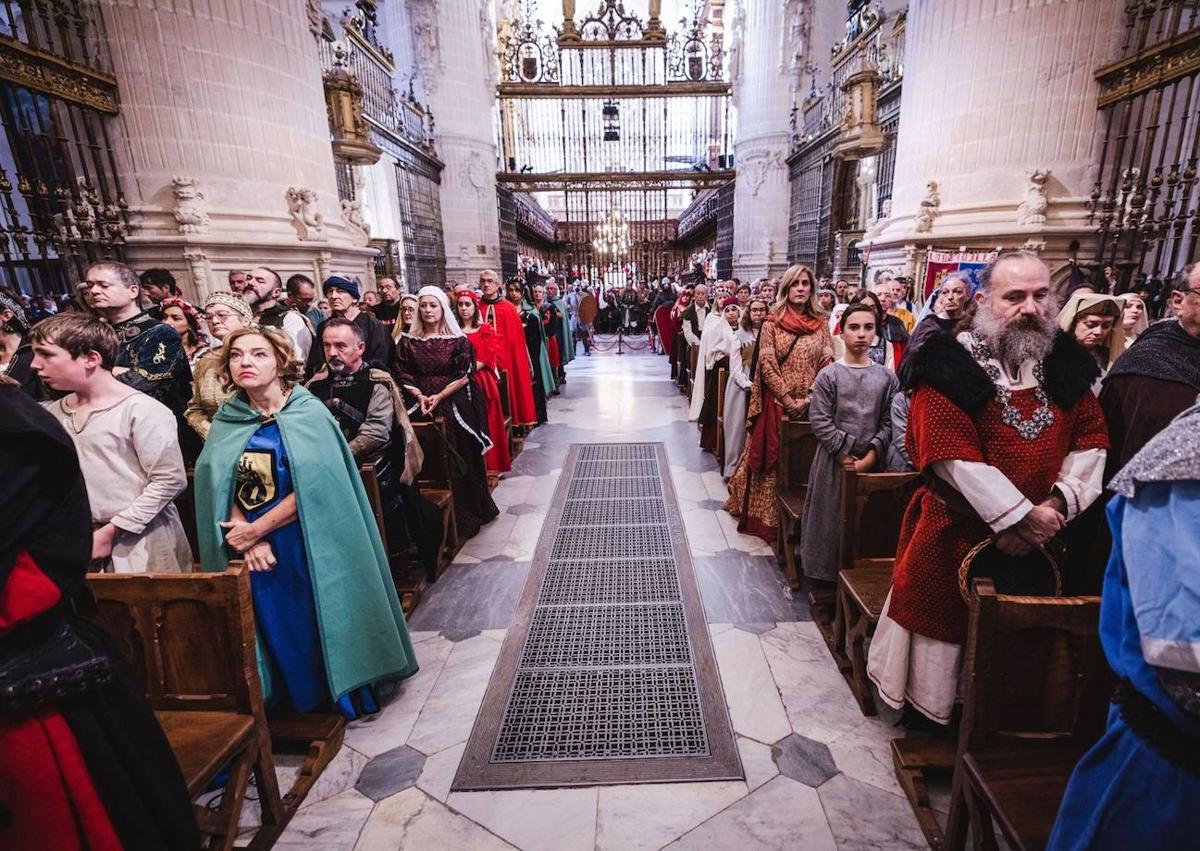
(128, 448)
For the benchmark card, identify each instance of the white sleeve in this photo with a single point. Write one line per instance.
(154, 441)
(692, 339)
(297, 329)
(1081, 479)
(990, 493)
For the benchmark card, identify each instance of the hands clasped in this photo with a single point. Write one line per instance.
(1032, 532)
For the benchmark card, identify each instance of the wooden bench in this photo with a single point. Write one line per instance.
(719, 451)
(872, 509)
(408, 586)
(515, 441)
(436, 482)
(797, 446)
(190, 640)
(1036, 698)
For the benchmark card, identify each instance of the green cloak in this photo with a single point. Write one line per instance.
(566, 343)
(548, 382)
(363, 634)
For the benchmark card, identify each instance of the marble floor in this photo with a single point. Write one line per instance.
(818, 774)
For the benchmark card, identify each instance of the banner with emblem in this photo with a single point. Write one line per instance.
(938, 264)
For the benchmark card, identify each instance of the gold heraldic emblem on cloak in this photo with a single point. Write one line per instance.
(255, 479)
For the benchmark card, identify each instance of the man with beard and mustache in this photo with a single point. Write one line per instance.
(514, 355)
(264, 293)
(1012, 445)
(369, 410)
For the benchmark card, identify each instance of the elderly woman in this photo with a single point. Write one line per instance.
(1095, 320)
(277, 485)
(224, 313)
(792, 348)
(1135, 318)
(435, 364)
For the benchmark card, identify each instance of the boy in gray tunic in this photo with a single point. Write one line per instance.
(850, 414)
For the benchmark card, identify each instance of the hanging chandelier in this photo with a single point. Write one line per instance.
(612, 236)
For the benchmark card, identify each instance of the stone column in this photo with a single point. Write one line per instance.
(761, 81)
(454, 47)
(223, 143)
(999, 111)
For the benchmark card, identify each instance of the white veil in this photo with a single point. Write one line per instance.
(449, 320)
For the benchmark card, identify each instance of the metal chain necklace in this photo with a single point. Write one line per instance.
(1042, 418)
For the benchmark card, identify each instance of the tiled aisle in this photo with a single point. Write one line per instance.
(818, 774)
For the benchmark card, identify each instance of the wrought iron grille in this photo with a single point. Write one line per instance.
(418, 182)
(1145, 201)
(60, 205)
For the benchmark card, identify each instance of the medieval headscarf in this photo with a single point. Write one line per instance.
(450, 327)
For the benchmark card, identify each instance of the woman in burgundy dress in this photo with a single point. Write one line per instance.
(487, 359)
(436, 364)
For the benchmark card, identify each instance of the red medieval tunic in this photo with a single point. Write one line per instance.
(487, 352)
(513, 358)
(916, 652)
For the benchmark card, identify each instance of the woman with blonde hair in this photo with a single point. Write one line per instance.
(793, 346)
(278, 486)
(1135, 317)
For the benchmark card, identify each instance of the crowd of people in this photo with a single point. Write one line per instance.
(268, 400)
(1020, 408)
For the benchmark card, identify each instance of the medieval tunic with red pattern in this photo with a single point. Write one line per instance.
(982, 476)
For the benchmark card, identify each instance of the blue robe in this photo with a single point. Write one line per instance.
(1123, 793)
(284, 607)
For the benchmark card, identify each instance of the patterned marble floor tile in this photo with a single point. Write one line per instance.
(438, 773)
(413, 821)
(818, 701)
(754, 705)
(391, 772)
(450, 710)
(394, 724)
(534, 819)
(704, 531)
(757, 762)
(331, 825)
(648, 816)
(781, 814)
(864, 753)
(472, 597)
(340, 775)
(891, 824)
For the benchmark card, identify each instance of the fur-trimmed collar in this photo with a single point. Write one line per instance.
(944, 364)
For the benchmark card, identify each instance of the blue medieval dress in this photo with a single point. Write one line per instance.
(329, 624)
(1139, 785)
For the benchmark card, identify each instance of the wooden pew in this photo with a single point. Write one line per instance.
(190, 640)
(873, 506)
(719, 452)
(797, 446)
(408, 586)
(1036, 697)
(515, 441)
(436, 481)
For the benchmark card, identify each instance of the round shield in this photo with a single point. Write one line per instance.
(587, 309)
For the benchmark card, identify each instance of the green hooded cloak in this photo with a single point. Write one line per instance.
(363, 634)
(566, 344)
(548, 382)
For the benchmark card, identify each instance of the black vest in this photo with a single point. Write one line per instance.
(347, 398)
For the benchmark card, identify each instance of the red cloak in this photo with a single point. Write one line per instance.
(933, 538)
(487, 351)
(513, 358)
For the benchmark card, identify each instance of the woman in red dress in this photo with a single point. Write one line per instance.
(487, 357)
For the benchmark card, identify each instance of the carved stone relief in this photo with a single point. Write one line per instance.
(190, 204)
(930, 206)
(756, 167)
(352, 216)
(198, 267)
(1032, 211)
(302, 207)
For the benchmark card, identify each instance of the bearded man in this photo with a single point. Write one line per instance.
(1012, 445)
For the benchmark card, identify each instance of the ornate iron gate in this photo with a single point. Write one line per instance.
(1145, 199)
(60, 205)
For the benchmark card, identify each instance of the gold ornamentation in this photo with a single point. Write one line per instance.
(44, 72)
